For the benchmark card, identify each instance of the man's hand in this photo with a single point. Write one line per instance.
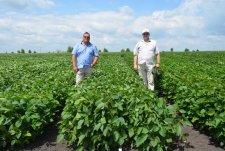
(95, 61)
(92, 65)
(75, 69)
(135, 67)
(157, 65)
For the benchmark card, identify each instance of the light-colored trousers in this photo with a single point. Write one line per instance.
(146, 73)
(82, 73)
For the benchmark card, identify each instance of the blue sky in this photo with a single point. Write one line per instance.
(141, 6)
(70, 7)
(52, 25)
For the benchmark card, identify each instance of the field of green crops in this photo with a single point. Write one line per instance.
(112, 109)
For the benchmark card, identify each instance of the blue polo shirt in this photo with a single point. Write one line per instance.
(84, 54)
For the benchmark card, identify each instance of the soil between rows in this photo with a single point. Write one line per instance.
(195, 141)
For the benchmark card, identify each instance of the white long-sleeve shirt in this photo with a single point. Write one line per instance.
(146, 51)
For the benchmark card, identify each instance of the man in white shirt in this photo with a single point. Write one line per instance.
(144, 54)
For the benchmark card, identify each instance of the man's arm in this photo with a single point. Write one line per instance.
(95, 60)
(74, 61)
(136, 57)
(135, 62)
(96, 56)
(157, 56)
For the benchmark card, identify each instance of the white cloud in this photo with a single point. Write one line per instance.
(126, 10)
(44, 3)
(16, 4)
(22, 4)
(193, 25)
(188, 25)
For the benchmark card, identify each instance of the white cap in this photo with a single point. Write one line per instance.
(146, 30)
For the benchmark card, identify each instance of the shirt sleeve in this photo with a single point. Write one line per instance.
(156, 48)
(75, 48)
(136, 49)
(95, 51)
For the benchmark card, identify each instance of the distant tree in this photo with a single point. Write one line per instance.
(127, 50)
(105, 50)
(18, 51)
(186, 50)
(12, 52)
(122, 50)
(69, 49)
(171, 49)
(197, 50)
(58, 50)
(34, 52)
(29, 51)
(99, 50)
(22, 50)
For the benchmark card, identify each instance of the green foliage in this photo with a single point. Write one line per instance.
(186, 50)
(22, 50)
(105, 50)
(113, 109)
(32, 89)
(69, 49)
(128, 50)
(122, 50)
(195, 82)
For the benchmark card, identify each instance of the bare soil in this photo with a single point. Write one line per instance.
(46, 142)
(195, 141)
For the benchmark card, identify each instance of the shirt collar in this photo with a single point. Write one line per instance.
(86, 45)
(144, 41)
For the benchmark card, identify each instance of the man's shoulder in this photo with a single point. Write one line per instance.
(153, 41)
(92, 45)
(142, 41)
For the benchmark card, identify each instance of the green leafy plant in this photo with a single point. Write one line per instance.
(114, 109)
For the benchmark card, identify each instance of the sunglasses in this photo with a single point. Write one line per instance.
(145, 34)
(86, 36)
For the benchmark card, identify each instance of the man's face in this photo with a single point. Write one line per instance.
(146, 36)
(86, 38)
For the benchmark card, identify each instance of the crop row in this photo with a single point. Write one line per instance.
(195, 83)
(113, 109)
(32, 90)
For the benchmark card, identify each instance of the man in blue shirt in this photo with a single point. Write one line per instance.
(84, 57)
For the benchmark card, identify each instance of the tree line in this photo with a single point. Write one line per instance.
(70, 49)
(23, 51)
(185, 50)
